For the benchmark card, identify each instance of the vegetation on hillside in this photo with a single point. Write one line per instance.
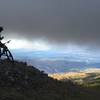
(89, 77)
(23, 82)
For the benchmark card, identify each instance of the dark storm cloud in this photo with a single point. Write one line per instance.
(60, 21)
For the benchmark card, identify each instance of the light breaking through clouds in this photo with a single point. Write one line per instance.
(55, 21)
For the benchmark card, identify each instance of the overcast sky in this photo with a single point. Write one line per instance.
(59, 21)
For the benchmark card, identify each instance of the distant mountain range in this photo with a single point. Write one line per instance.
(56, 62)
(60, 66)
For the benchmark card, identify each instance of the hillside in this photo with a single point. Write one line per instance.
(88, 77)
(23, 82)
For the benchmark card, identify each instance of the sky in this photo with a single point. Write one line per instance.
(47, 24)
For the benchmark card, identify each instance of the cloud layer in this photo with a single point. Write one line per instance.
(59, 21)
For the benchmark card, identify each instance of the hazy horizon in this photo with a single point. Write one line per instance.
(52, 29)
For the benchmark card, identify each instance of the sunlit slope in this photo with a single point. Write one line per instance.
(69, 75)
(88, 77)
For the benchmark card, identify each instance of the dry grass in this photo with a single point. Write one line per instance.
(68, 75)
(73, 75)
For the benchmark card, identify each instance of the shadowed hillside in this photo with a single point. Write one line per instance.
(23, 82)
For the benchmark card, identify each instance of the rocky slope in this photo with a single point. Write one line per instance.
(19, 81)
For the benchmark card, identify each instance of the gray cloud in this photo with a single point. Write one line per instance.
(60, 21)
